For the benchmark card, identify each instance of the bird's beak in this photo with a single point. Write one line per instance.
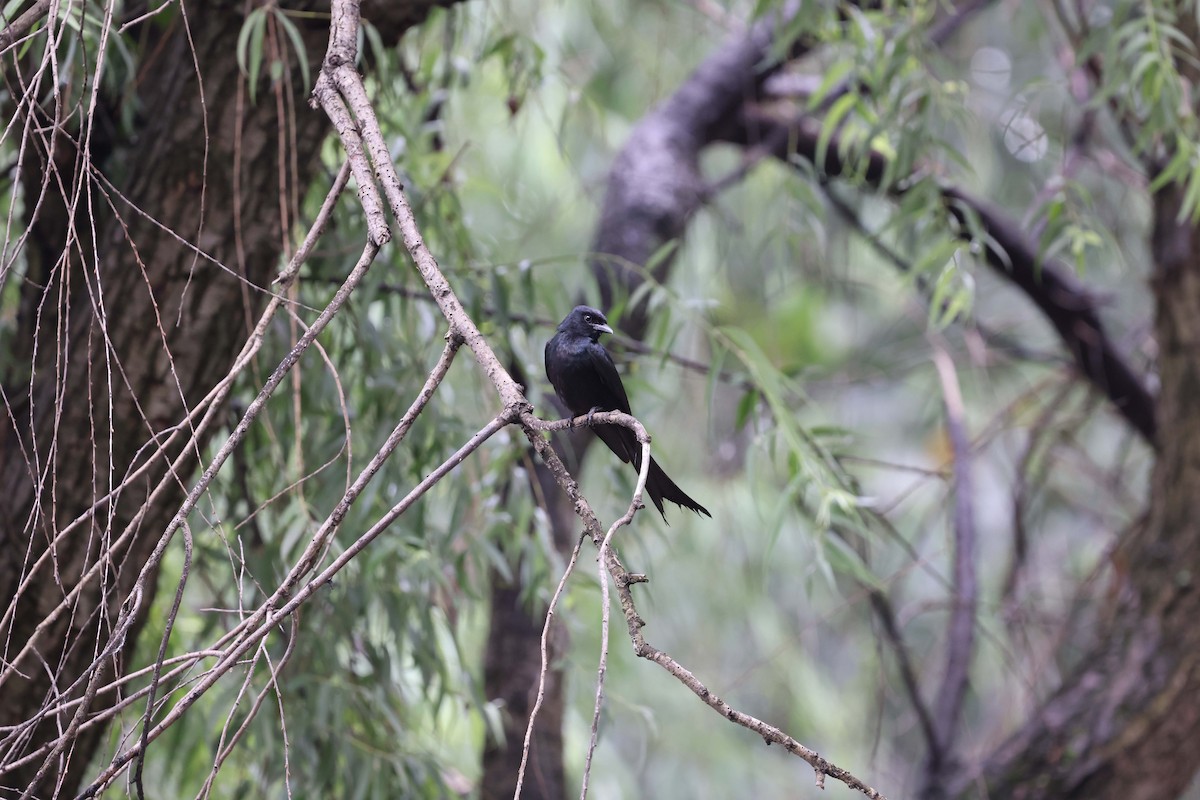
(602, 328)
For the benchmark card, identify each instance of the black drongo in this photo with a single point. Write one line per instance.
(585, 379)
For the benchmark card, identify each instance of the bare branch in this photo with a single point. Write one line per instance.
(17, 28)
(602, 560)
(960, 631)
(168, 627)
(339, 67)
(545, 668)
(643, 649)
(250, 639)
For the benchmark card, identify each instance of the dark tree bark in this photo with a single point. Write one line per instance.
(126, 332)
(1126, 724)
(512, 662)
(511, 665)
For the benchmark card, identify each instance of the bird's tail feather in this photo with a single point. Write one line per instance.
(660, 487)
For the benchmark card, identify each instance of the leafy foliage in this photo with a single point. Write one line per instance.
(806, 407)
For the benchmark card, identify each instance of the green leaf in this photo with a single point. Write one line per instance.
(250, 47)
(829, 126)
(746, 407)
(293, 33)
(832, 78)
(845, 561)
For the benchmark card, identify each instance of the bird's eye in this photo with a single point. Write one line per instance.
(587, 318)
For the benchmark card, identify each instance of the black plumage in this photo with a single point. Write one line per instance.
(585, 379)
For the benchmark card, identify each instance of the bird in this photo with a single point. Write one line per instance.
(586, 380)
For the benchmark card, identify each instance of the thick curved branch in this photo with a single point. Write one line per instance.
(655, 185)
(17, 28)
(1063, 300)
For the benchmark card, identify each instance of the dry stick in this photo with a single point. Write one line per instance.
(769, 733)
(115, 642)
(162, 654)
(272, 682)
(247, 680)
(606, 417)
(239, 432)
(377, 227)
(541, 690)
(185, 662)
(624, 579)
(601, 560)
(214, 400)
(283, 731)
(961, 627)
(234, 651)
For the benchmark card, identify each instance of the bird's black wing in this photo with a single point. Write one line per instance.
(619, 439)
(612, 389)
(585, 378)
(624, 443)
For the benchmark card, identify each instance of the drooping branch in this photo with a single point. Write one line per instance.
(234, 653)
(1063, 300)
(655, 185)
(125, 346)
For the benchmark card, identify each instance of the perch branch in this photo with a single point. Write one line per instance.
(623, 579)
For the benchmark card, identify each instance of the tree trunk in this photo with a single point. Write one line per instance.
(511, 666)
(1126, 724)
(122, 330)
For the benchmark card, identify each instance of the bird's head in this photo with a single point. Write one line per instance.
(585, 321)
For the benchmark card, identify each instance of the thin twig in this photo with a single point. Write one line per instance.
(545, 668)
(211, 403)
(234, 652)
(16, 29)
(162, 654)
(272, 683)
(602, 560)
(960, 631)
(624, 579)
